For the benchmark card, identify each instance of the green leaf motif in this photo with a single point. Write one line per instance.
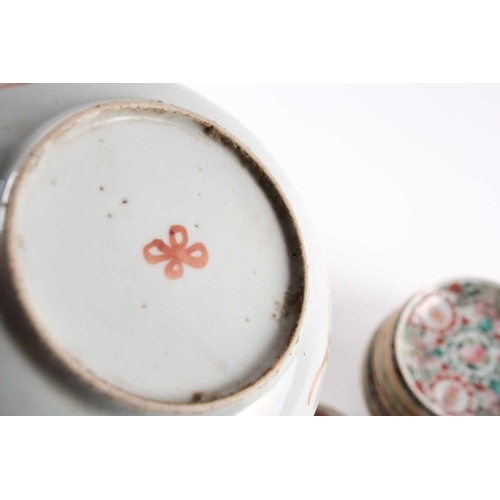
(495, 386)
(485, 325)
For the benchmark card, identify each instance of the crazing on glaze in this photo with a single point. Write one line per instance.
(176, 253)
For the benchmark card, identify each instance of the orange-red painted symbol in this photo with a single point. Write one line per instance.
(176, 253)
(320, 371)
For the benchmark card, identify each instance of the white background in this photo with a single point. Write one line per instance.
(401, 183)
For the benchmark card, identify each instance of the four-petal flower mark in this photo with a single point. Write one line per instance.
(176, 253)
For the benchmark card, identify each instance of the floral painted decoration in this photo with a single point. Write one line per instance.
(448, 348)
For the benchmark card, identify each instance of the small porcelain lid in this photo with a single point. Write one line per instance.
(154, 254)
(448, 348)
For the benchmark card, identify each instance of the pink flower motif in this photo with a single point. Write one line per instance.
(496, 325)
(435, 313)
(473, 354)
(486, 307)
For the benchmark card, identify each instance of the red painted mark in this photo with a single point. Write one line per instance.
(176, 253)
(319, 372)
(7, 85)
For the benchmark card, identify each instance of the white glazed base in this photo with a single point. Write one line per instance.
(296, 390)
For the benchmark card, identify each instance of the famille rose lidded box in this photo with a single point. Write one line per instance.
(448, 348)
(155, 260)
(438, 355)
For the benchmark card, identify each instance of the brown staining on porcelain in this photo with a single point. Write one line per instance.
(124, 201)
(278, 308)
(197, 397)
(110, 215)
(101, 188)
(293, 299)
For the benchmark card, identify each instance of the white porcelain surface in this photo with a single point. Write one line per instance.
(404, 193)
(100, 193)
